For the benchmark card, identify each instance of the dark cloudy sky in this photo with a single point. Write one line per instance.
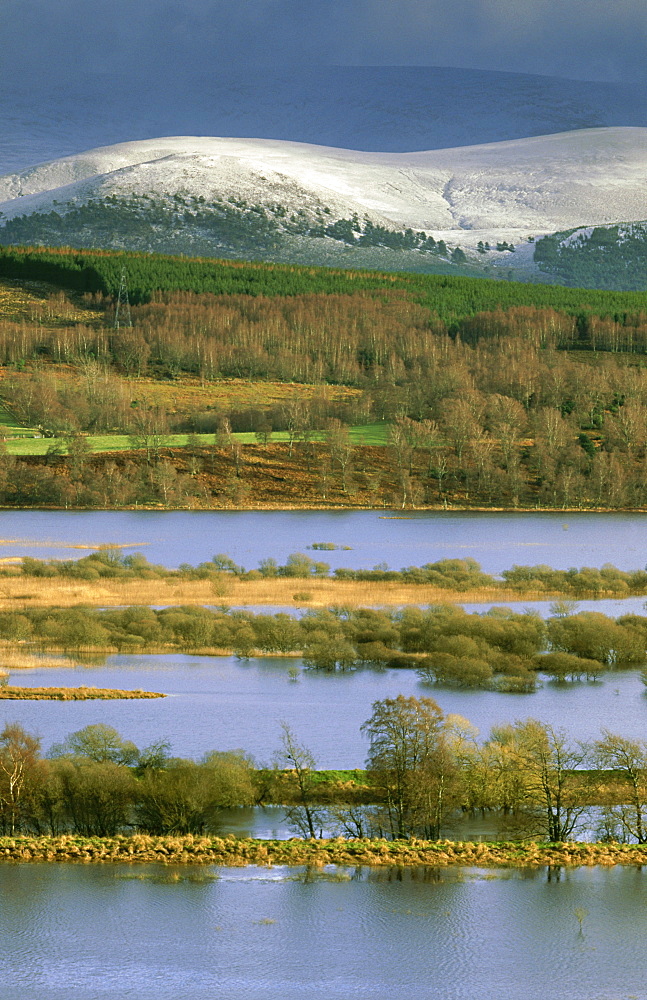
(64, 40)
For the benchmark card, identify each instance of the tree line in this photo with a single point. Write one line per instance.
(97, 784)
(193, 225)
(100, 271)
(428, 765)
(498, 424)
(459, 575)
(327, 468)
(423, 768)
(488, 398)
(357, 338)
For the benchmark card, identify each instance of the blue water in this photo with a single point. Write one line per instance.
(220, 703)
(496, 540)
(93, 932)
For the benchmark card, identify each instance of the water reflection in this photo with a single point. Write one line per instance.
(93, 932)
(271, 823)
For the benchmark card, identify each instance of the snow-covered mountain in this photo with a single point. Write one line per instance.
(511, 191)
(587, 177)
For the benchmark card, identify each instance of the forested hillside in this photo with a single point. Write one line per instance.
(597, 257)
(236, 229)
(471, 392)
(449, 296)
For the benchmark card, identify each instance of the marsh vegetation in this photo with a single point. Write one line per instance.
(108, 576)
(500, 648)
(10, 692)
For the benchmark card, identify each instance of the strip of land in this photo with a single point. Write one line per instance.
(21, 591)
(237, 852)
(9, 693)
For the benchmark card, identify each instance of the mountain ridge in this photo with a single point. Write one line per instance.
(475, 197)
(582, 177)
(387, 108)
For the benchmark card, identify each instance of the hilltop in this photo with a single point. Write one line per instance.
(274, 199)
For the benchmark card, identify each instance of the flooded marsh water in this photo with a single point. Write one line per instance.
(224, 703)
(145, 932)
(91, 932)
(495, 539)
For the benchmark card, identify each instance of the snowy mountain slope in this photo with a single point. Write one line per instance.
(519, 187)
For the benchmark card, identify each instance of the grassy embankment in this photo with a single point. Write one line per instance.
(10, 693)
(195, 850)
(588, 787)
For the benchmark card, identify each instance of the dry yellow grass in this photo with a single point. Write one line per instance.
(10, 693)
(17, 592)
(41, 302)
(207, 850)
(191, 394)
(12, 659)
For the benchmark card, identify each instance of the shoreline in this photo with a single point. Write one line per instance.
(234, 852)
(404, 512)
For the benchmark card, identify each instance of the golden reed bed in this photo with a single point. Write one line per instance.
(18, 592)
(239, 852)
(9, 693)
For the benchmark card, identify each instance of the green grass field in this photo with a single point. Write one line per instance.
(369, 434)
(10, 427)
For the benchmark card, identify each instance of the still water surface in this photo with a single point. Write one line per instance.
(496, 540)
(220, 703)
(272, 823)
(88, 933)
(92, 932)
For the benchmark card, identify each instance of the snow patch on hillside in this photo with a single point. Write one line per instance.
(579, 236)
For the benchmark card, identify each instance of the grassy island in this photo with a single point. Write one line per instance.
(109, 577)
(239, 852)
(9, 693)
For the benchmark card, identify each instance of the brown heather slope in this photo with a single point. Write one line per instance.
(257, 477)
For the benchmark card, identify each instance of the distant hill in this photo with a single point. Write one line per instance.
(597, 256)
(380, 108)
